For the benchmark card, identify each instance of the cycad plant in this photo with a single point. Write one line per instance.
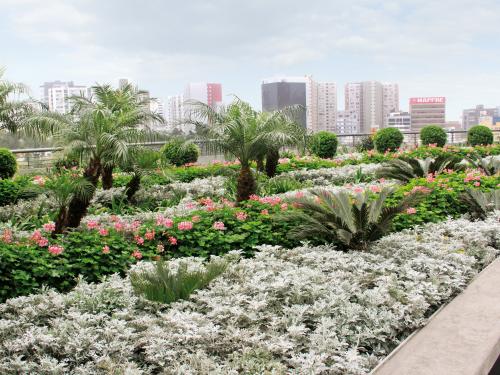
(241, 132)
(353, 221)
(480, 203)
(406, 169)
(142, 162)
(489, 165)
(12, 109)
(162, 284)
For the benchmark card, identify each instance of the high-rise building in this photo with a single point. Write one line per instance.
(347, 122)
(427, 111)
(471, 117)
(400, 120)
(371, 102)
(319, 100)
(175, 112)
(208, 93)
(55, 95)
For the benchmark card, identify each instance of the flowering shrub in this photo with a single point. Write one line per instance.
(307, 310)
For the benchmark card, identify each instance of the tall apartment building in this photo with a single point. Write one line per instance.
(347, 122)
(371, 102)
(473, 116)
(208, 93)
(55, 95)
(319, 100)
(427, 111)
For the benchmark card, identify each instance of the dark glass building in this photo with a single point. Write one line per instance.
(281, 94)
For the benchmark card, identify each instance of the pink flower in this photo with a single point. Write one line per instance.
(264, 212)
(105, 249)
(139, 240)
(172, 240)
(375, 189)
(103, 232)
(196, 218)
(411, 211)
(381, 180)
(119, 226)
(219, 225)
(49, 227)
(150, 235)
(254, 197)
(477, 183)
(240, 215)
(185, 225)
(92, 224)
(36, 235)
(7, 236)
(137, 254)
(55, 249)
(160, 248)
(284, 207)
(430, 177)
(160, 219)
(39, 180)
(191, 206)
(283, 160)
(299, 194)
(358, 189)
(42, 242)
(135, 225)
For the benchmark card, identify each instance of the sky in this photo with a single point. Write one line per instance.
(445, 48)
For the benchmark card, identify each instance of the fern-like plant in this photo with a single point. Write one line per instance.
(406, 169)
(490, 165)
(353, 221)
(480, 203)
(161, 284)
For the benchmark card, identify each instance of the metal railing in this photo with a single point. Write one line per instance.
(35, 158)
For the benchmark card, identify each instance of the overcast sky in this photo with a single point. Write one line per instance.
(431, 48)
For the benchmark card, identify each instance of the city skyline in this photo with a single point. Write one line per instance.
(429, 48)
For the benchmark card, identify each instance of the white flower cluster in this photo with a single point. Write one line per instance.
(328, 176)
(308, 310)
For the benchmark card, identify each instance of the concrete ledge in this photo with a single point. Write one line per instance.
(463, 338)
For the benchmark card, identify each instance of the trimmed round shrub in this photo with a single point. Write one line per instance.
(324, 144)
(388, 139)
(366, 144)
(179, 152)
(433, 134)
(8, 163)
(479, 135)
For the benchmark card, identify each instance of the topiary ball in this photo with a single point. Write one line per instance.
(479, 135)
(433, 134)
(8, 163)
(179, 152)
(323, 144)
(388, 139)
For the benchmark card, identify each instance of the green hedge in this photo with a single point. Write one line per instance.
(324, 144)
(479, 135)
(433, 134)
(8, 163)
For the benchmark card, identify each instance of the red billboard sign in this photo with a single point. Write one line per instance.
(431, 100)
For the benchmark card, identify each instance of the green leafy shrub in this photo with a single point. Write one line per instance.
(162, 284)
(433, 135)
(65, 162)
(479, 135)
(324, 144)
(388, 139)
(179, 152)
(9, 192)
(8, 163)
(366, 144)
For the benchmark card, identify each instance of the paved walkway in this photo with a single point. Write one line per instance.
(462, 339)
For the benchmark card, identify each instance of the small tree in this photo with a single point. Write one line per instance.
(324, 144)
(142, 162)
(388, 139)
(433, 134)
(8, 163)
(180, 152)
(479, 135)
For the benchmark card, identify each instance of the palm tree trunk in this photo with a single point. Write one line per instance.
(272, 159)
(246, 184)
(260, 164)
(60, 221)
(132, 187)
(107, 177)
(78, 206)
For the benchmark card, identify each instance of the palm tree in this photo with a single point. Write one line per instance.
(406, 169)
(339, 217)
(141, 163)
(242, 132)
(12, 111)
(128, 104)
(98, 136)
(480, 203)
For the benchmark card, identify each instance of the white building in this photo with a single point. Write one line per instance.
(56, 94)
(175, 112)
(347, 122)
(327, 106)
(400, 120)
(371, 102)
